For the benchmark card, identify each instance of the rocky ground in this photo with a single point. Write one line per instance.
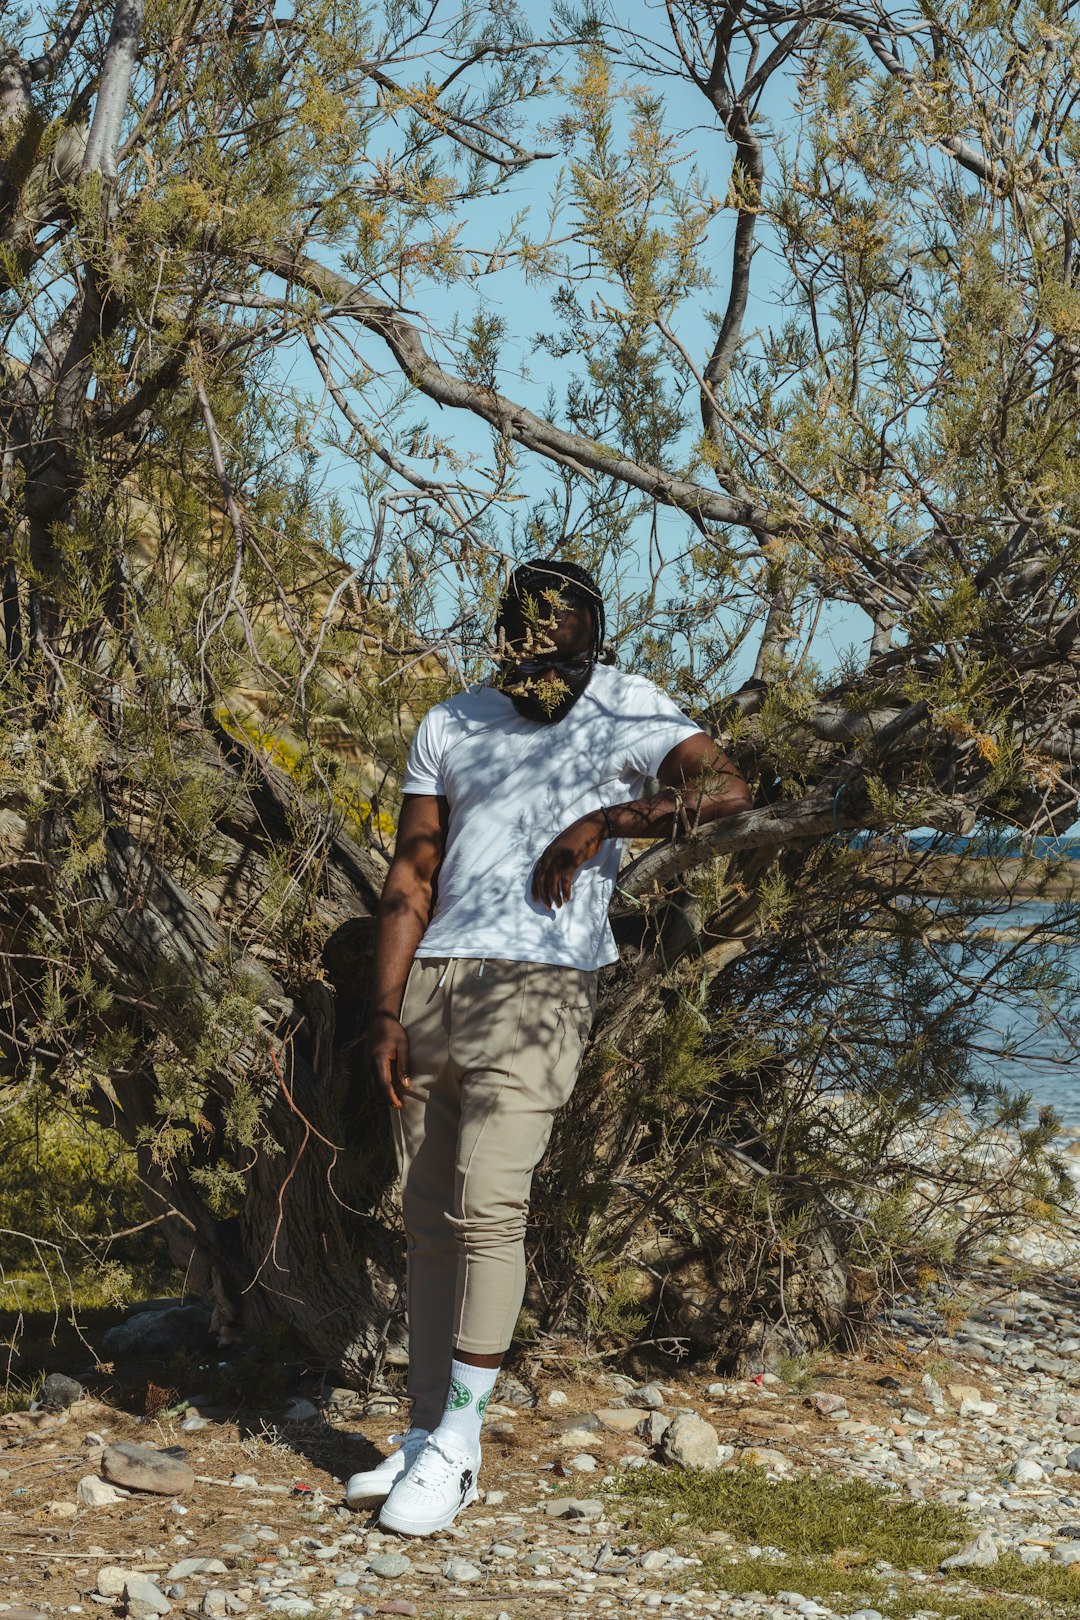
(971, 1404)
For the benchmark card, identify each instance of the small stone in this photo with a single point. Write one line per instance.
(623, 1418)
(764, 1457)
(583, 1463)
(690, 1442)
(62, 1510)
(299, 1410)
(981, 1553)
(389, 1566)
(144, 1598)
(244, 1482)
(215, 1603)
(1067, 1553)
(654, 1560)
(649, 1396)
(933, 1392)
(959, 1393)
(1026, 1471)
(556, 1397)
(826, 1403)
(141, 1468)
(194, 1422)
(653, 1427)
(513, 1392)
(112, 1579)
(494, 1498)
(461, 1571)
(972, 1408)
(187, 1567)
(1073, 1460)
(390, 1606)
(575, 1423)
(573, 1507)
(59, 1392)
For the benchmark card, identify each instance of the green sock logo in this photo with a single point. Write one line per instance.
(458, 1397)
(480, 1405)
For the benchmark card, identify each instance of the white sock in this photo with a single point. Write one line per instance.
(466, 1398)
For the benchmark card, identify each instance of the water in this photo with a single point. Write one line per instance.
(1048, 1067)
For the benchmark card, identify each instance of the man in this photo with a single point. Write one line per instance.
(491, 931)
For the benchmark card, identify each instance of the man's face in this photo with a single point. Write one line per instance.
(548, 664)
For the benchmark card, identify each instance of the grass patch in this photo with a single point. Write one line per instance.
(1054, 1583)
(800, 1515)
(848, 1587)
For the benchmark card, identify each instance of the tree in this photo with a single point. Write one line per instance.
(238, 252)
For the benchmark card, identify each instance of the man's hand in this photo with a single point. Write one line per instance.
(564, 857)
(388, 1057)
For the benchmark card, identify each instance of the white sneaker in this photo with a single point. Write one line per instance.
(376, 1483)
(430, 1496)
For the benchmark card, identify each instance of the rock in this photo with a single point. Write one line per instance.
(623, 1418)
(933, 1392)
(690, 1442)
(575, 1423)
(392, 1606)
(94, 1492)
(462, 1571)
(245, 1482)
(556, 1397)
(62, 1510)
(973, 1408)
(978, 1554)
(656, 1559)
(218, 1602)
(827, 1404)
(764, 1457)
(59, 1392)
(112, 1579)
(388, 1566)
(1069, 1416)
(1073, 1460)
(649, 1396)
(382, 1406)
(653, 1427)
(141, 1468)
(513, 1392)
(1068, 1553)
(194, 1422)
(19, 1612)
(144, 1598)
(583, 1463)
(160, 1333)
(299, 1410)
(959, 1393)
(187, 1567)
(573, 1507)
(1026, 1471)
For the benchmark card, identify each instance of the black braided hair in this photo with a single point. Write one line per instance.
(541, 575)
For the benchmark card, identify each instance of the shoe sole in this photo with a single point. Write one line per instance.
(405, 1527)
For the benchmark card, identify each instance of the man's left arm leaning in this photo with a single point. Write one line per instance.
(700, 785)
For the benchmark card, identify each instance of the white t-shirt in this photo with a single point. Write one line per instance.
(512, 784)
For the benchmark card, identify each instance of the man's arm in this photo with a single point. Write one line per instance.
(404, 913)
(702, 785)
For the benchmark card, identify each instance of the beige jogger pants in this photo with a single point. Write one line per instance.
(494, 1050)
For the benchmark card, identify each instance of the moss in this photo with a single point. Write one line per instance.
(801, 1515)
